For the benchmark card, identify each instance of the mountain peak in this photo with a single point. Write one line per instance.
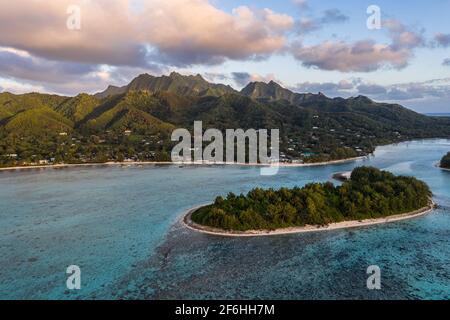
(199, 76)
(143, 76)
(362, 98)
(175, 74)
(174, 83)
(268, 91)
(110, 91)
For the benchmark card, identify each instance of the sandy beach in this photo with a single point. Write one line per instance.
(138, 163)
(187, 221)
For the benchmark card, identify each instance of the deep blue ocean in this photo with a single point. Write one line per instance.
(121, 225)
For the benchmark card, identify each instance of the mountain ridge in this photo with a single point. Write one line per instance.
(270, 91)
(197, 86)
(174, 83)
(313, 127)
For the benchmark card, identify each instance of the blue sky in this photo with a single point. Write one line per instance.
(422, 16)
(313, 46)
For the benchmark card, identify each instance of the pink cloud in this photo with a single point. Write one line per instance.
(361, 56)
(177, 31)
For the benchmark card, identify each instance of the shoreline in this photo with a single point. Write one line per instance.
(146, 163)
(438, 165)
(187, 222)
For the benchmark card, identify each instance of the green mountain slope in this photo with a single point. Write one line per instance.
(15, 103)
(77, 108)
(271, 91)
(38, 121)
(137, 120)
(130, 111)
(175, 83)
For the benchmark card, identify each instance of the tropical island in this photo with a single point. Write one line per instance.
(134, 123)
(445, 162)
(371, 196)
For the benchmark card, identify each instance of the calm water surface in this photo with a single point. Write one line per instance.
(121, 226)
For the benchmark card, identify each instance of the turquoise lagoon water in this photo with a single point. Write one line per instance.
(121, 225)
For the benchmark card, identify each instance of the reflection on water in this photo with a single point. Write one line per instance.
(120, 225)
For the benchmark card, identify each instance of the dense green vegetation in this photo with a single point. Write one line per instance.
(445, 162)
(135, 122)
(370, 193)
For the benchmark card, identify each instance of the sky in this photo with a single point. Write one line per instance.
(71, 46)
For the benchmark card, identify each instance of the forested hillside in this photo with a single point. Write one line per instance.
(136, 121)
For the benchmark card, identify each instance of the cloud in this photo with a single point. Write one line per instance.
(19, 64)
(329, 88)
(402, 37)
(59, 76)
(241, 78)
(17, 87)
(446, 62)
(437, 89)
(118, 41)
(186, 32)
(308, 24)
(363, 55)
(244, 78)
(371, 89)
(443, 40)
(432, 89)
(396, 94)
(107, 35)
(303, 4)
(215, 76)
(177, 32)
(334, 16)
(277, 22)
